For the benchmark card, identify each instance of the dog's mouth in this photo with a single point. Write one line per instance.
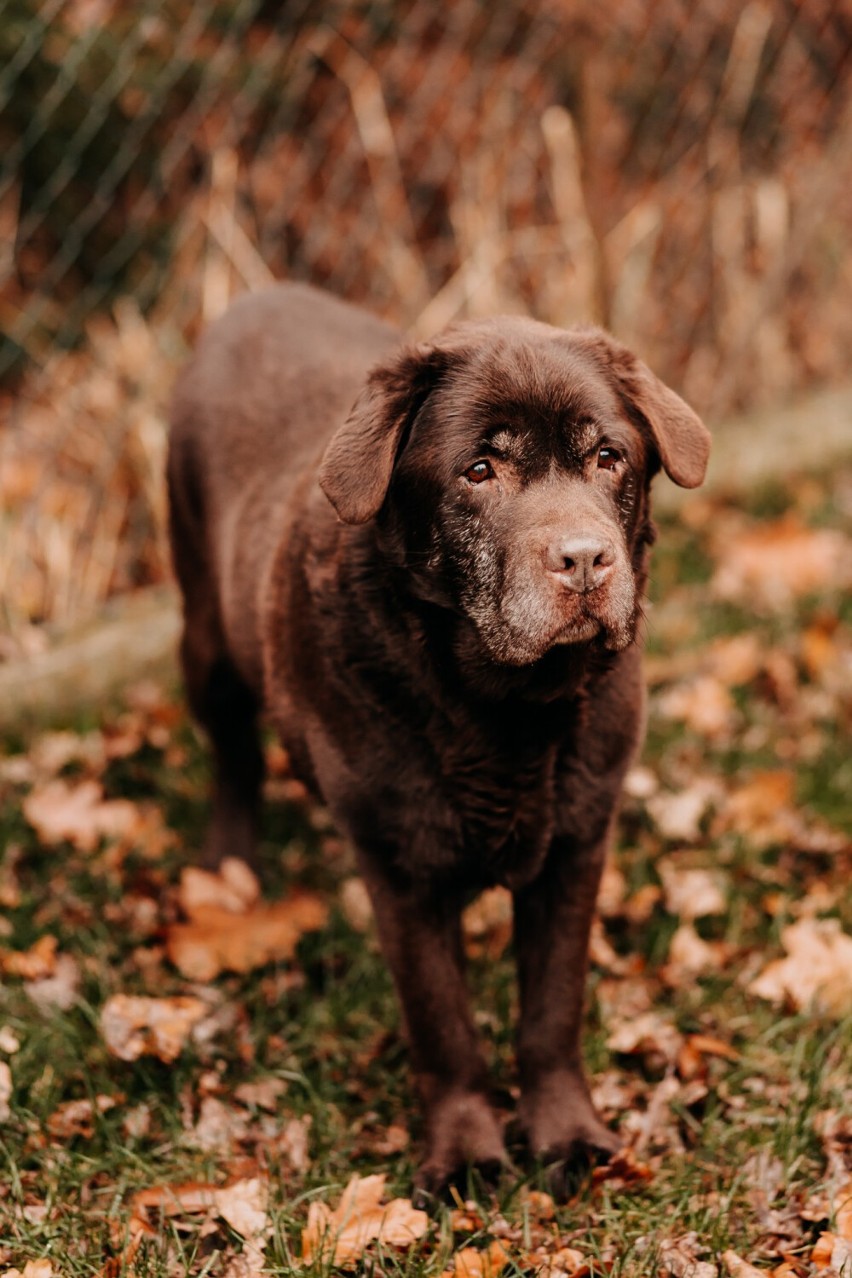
(593, 621)
(519, 625)
(577, 630)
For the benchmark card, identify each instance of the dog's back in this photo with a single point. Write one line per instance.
(267, 386)
(253, 409)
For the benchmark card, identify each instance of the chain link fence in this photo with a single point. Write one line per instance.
(678, 172)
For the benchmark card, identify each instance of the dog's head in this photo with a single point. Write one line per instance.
(508, 464)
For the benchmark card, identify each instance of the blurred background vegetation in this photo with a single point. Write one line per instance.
(678, 172)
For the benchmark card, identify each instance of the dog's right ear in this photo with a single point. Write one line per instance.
(356, 469)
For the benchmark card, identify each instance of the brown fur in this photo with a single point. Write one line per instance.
(451, 661)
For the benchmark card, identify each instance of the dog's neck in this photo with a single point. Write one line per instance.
(460, 664)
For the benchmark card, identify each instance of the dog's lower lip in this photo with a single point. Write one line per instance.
(576, 631)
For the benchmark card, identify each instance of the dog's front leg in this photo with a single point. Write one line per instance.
(420, 933)
(553, 918)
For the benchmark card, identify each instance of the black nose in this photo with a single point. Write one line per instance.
(582, 564)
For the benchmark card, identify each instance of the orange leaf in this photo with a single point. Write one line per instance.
(471, 1263)
(841, 1205)
(134, 1025)
(340, 1236)
(77, 1117)
(218, 940)
(823, 1250)
(739, 1268)
(774, 563)
(623, 1166)
(818, 969)
(34, 964)
(233, 888)
(487, 923)
(79, 814)
(709, 1046)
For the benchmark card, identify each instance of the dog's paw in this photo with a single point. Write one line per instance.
(464, 1145)
(562, 1130)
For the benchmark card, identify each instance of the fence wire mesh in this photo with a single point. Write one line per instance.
(678, 172)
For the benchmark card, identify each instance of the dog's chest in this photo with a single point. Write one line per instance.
(502, 806)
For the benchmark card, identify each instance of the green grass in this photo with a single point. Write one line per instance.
(732, 1162)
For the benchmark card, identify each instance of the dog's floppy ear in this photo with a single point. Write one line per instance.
(356, 469)
(681, 438)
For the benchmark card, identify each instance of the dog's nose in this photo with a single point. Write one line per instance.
(582, 564)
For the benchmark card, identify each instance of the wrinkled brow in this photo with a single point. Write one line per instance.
(579, 435)
(582, 435)
(511, 443)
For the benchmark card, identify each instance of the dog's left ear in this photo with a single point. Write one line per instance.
(682, 439)
(356, 469)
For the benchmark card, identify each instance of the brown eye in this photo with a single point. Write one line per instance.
(478, 471)
(608, 458)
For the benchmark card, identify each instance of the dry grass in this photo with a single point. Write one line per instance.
(685, 182)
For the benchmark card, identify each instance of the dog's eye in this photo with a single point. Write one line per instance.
(478, 471)
(608, 458)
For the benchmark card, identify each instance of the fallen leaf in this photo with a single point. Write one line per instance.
(787, 1269)
(613, 1093)
(822, 1250)
(218, 941)
(649, 1032)
(341, 1236)
(739, 1268)
(623, 1167)
(134, 1025)
(678, 816)
(677, 1257)
(472, 1263)
(77, 1117)
(5, 1091)
(34, 964)
(736, 659)
(137, 1121)
(9, 1041)
(691, 893)
(641, 782)
(602, 953)
(60, 812)
(689, 956)
(774, 563)
(487, 923)
(641, 905)
(292, 1143)
(53, 751)
(356, 905)
(265, 1093)
(832, 1252)
(219, 1126)
(567, 1262)
(242, 1204)
(32, 1269)
(539, 1205)
(710, 1046)
(234, 887)
(817, 969)
(841, 1206)
(690, 1063)
(60, 990)
(612, 891)
(466, 1219)
(760, 808)
(704, 705)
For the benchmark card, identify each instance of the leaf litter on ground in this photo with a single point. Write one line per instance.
(719, 972)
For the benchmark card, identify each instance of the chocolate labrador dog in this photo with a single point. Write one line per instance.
(425, 562)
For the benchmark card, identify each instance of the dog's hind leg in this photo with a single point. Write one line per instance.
(228, 710)
(219, 697)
